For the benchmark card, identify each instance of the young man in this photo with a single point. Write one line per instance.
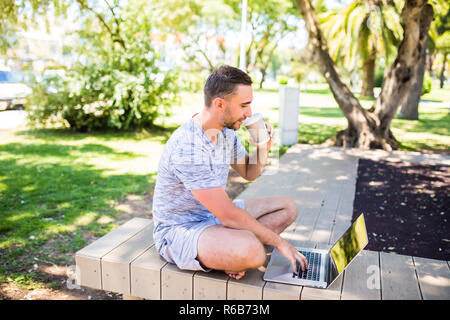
(197, 226)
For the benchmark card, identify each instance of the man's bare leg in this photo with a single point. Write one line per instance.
(235, 250)
(275, 213)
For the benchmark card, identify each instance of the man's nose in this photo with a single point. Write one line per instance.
(248, 112)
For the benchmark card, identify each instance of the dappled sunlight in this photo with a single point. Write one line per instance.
(321, 236)
(85, 218)
(436, 281)
(295, 236)
(18, 217)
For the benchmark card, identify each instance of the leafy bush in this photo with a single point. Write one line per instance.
(283, 80)
(427, 84)
(117, 94)
(379, 76)
(123, 85)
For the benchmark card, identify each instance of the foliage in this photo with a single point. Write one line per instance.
(283, 80)
(427, 84)
(269, 21)
(201, 36)
(361, 30)
(122, 85)
(379, 76)
(17, 15)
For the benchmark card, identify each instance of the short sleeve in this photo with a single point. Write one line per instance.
(192, 166)
(239, 150)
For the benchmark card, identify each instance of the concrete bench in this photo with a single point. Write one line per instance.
(322, 182)
(125, 261)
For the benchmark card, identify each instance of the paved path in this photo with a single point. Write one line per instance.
(322, 181)
(12, 118)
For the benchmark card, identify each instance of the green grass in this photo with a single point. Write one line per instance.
(59, 188)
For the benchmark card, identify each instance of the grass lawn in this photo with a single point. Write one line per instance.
(59, 188)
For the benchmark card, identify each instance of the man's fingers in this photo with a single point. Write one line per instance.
(302, 259)
(294, 266)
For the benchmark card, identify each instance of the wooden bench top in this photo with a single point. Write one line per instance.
(129, 264)
(322, 182)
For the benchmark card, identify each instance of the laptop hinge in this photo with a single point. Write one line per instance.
(332, 270)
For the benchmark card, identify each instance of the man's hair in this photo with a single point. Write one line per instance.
(223, 81)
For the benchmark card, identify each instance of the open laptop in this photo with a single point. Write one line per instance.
(324, 266)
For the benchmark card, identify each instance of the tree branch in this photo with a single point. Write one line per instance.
(115, 37)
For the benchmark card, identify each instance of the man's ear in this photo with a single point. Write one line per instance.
(218, 104)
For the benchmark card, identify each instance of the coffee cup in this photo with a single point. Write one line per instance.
(257, 128)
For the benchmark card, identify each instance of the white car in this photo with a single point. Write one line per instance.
(12, 91)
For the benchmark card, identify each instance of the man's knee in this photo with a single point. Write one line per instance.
(252, 254)
(291, 208)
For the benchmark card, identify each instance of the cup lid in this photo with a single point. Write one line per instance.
(255, 117)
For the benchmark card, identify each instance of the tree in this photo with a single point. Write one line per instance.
(200, 27)
(410, 106)
(364, 29)
(17, 15)
(269, 22)
(371, 128)
(120, 82)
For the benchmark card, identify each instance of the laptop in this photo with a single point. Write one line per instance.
(324, 266)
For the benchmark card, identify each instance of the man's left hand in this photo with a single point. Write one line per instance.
(271, 133)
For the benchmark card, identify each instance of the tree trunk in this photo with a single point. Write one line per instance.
(368, 77)
(417, 17)
(371, 128)
(410, 108)
(263, 77)
(442, 76)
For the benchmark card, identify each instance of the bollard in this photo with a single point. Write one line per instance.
(288, 118)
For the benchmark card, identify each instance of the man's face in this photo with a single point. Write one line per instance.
(237, 107)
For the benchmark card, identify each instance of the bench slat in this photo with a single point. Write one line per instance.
(176, 284)
(331, 293)
(282, 291)
(248, 288)
(88, 259)
(146, 275)
(434, 278)
(357, 284)
(398, 277)
(116, 264)
(210, 285)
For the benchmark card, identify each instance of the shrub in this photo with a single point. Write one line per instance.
(283, 80)
(117, 94)
(427, 84)
(379, 76)
(122, 83)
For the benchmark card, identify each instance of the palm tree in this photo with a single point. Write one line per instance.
(363, 29)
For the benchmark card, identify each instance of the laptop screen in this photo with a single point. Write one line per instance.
(350, 244)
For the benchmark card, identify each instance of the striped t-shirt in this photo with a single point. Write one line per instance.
(190, 161)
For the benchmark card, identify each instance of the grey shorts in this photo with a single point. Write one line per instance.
(180, 243)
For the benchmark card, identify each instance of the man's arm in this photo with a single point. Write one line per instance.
(251, 168)
(217, 201)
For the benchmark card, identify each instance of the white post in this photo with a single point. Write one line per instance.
(288, 117)
(243, 30)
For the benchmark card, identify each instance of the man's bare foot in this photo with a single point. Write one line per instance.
(235, 275)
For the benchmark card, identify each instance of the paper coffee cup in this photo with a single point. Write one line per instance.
(257, 128)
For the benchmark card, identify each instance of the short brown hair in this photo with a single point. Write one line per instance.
(223, 81)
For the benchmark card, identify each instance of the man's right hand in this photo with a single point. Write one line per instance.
(292, 254)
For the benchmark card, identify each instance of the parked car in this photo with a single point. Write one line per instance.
(13, 91)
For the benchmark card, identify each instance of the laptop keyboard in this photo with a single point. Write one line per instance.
(312, 273)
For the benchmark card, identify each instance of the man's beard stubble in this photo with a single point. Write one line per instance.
(228, 122)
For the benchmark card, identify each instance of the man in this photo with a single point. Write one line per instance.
(197, 226)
